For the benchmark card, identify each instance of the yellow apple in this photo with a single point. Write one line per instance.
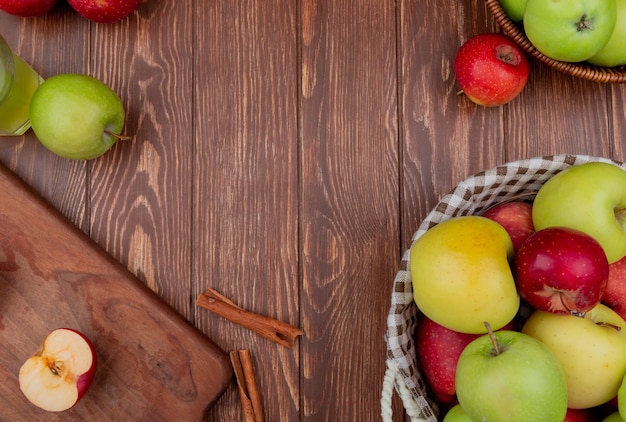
(591, 349)
(461, 275)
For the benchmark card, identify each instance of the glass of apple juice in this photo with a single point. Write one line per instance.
(18, 82)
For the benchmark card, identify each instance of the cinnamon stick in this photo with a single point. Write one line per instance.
(277, 331)
(246, 384)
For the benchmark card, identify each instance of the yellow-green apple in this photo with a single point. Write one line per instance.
(510, 376)
(614, 53)
(517, 219)
(57, 376)
(615, 293)
(461, 274)
(613, 417)
(491, 69)
(570, 31)
(104, 11)
(438, 349)
(621, 399)
(76, 116)
(27, 8)
(561, 270)
(589, 197)
(514, 9)
(591, 349)
(456, 414)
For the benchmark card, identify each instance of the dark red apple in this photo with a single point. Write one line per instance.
(491, 69)
(104, 11)
(516, 218)
(615, 293)
(561, 270)
(60, 373)
(27, 8)
(580, 415)
(438, 350)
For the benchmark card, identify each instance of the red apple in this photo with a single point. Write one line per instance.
(438, 350)
(580, 415)
(516, 218)
(561, 270)
(27, 8)
(491, 69)
(615, 293)
(104, 11)
(57, 376)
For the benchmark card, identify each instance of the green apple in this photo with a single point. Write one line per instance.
(514, 9)
(614, 53)
(613, 417)
(621, 399)
(570, 31)
(591, 349)
(589, 197)
(510, 376)
(456, 414)
(461, 275)
(77, 116)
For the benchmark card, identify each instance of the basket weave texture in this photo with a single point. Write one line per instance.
(580, 70)
(472, 196)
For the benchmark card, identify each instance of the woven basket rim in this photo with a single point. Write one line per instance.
(580, 70)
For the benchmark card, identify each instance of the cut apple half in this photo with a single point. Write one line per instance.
(57, 376)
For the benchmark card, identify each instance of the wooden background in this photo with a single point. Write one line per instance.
(284, 154)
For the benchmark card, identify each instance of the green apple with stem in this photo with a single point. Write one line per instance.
(77, 116)
(461, 274)
(510, 376)
(614, 53)
(570, 31)
(589, 197)
(591, 349)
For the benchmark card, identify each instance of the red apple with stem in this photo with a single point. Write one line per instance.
(491, 69)
(561, 270)
(516, 218)
(615, 293)
(27, 8)
(57, 376)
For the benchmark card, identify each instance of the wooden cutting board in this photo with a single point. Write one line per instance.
(152, 365)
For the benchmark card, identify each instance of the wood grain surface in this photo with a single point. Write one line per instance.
(284, 154)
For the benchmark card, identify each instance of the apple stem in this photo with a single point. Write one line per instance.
(609, 325)
(118, 136)
(460, 92)
(494, 340)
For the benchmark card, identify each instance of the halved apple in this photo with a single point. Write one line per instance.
(57, 376)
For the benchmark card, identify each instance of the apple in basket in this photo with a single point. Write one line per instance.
(491, 69)
(517, 219)
(57, 376)
(461, 274)
(615, 293)
(561, 270)
(591, 350)
(589, 197)
(511, 376)
(456, 414)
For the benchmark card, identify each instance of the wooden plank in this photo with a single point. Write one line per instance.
(350, 228)
(246, 186)
(152, 365)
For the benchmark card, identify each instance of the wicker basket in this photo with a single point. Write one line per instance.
(580, 70)
(472, 196)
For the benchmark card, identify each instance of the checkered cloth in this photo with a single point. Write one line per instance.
(472, 196)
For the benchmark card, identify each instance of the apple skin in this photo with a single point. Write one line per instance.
(491, 69)
(615, 293)
(514, 9)
(59, 389)
(614, 53)
(613, 417)
(438, 349)
(561, 270)
(591, 350)
(461, 274)
(589, 197)
(579, 415)
(456, 414)
(104, 11)
(27, 8)
(523, 382)
(517, 219)
(71, 112)
(569, 31)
